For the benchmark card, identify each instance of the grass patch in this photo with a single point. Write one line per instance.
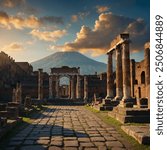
(117, 125)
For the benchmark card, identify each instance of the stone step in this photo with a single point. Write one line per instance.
(132, 111)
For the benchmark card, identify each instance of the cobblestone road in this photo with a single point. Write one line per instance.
(69, 128)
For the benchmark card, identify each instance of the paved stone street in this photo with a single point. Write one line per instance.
(69, 128)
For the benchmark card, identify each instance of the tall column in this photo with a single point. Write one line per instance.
(132, 76)
(147, 66)
(73, 88)
(85, 88)
(69, 88)
(110, 78)
(50, 86)
(78, 87)
(57, 86)
(40, 84)
(126, 100)
(119, 84)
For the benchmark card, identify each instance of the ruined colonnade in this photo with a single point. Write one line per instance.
(123, 89)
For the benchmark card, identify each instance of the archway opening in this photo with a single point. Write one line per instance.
(64, 87)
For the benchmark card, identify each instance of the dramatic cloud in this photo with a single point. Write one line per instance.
(19, 22)
(15, 46)
(74, 18)
(106, 28)
(48, 35)
(101, 9)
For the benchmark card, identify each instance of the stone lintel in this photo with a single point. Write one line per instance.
(121, 38)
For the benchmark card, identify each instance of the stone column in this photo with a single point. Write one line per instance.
(119, 84)
(57, 86)
(78, 92)
(110, 78)
(126, 100)
(69, 88)
(50, 86)
(85, 88)
(73, 88)
(40, 84)
(147, 68)
(132, 76)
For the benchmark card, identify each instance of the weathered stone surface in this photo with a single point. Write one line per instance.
(140, 133)
(71, 143)
(90, 132)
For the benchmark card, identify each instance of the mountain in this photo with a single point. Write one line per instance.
(71, 59)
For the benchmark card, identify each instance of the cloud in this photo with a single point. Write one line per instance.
(74, 18)
(51, 19)
(11, 3)
(80, 15)
(48, 35)
(101, 9)
(21, 22)
(15, 46)
(106, 28)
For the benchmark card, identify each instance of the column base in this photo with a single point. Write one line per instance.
(118, 98)
(127, 102)
(109, 98)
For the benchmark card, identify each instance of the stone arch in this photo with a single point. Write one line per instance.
(143, 79)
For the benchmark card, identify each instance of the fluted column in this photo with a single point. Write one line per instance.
(85, 88)
(110, 78)
(147, 66)
(119, 84)
(78, 92)
(40, 84)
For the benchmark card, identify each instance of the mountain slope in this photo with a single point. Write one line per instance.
(71, 59)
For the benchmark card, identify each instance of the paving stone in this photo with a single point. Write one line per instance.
(97, 139)
(56, 143)
(84, 139)
(86, 144)
(28, 142)
(68, 127)
(34, 147)
(99, 143)
(71, 143)
(43, 142)
(114, 144)
(15, 143)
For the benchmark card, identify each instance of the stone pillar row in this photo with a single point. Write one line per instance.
(123, 88)
(75, 87)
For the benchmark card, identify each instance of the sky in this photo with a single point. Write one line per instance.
(33, 29)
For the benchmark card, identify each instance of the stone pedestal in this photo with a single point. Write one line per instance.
(27, 102)
(130, 115)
